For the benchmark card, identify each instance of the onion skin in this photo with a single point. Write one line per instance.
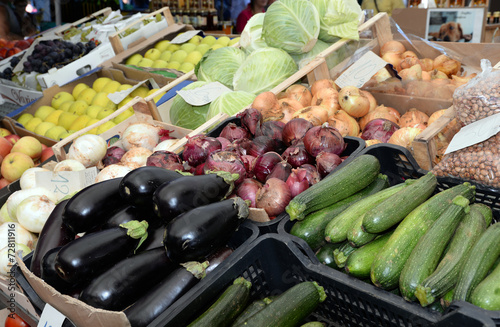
(355, 103)
(272, 129)
(234, 132)
(296, 155)
(281, 171)
(379, 129)
(268, 105)
(446, 65)
(327, 98)
(317, 115)
(312, 174)
(326, 162)
(198, 148)
(261, 145)
(297, 181)
(113, 155)
(264, 164)
(136, 155)
(224, 142)
(141, 134)
(226, 161)
(323, 138)
(392, 46)
(251, 118)
(299, 93)
(288, 108)
(165, 159)
(322, 84)
(273, 197)
(295, 130)
(413, 117)
(381, 111)
(404, 136)
(248, 189)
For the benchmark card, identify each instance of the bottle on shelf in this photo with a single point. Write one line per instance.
(212, 17)
(194, 13)
(185, 14)
(496, 17)
(202, 19)
(179, 12)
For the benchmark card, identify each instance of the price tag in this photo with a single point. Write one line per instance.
(63, 183)
(118, 97)
(204, 94)
(50, 317)
(474, 133)
(497, 66)
(184, 37)
(361, 71)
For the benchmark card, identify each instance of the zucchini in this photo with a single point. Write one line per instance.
(312, 228)
(313, 324)
(425, 256)
(325, 254)
(252, 309)
(336, 230)
(357, 236)
(445, 276)
(486, 295)
(390, 261)
(485, 211)
(342, 253)
(227, 307)
(447, 298)
(342, 183)
(359, 263)
(396, 207)
(481, 258)
(290, 308)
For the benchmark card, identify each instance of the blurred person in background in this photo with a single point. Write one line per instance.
(237, 6)
(382, 5)
(254, 7)
(15, 23)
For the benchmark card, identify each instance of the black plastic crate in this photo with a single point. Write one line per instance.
(354, 146)
(398, 164)
(240, 240)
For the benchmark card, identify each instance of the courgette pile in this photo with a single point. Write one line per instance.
(234, 307)
(429, 246)
(148, 238)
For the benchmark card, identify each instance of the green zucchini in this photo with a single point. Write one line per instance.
(227, 307)
(447, 298)
(445, 276)
(388, 264)
(325, 254)
(481, 258)
(495, 265)
(359, 263)
(425, 256)
(396, 207)
(486, 295)
(357, 236)
(436, 306)
(341, 254)
(312, 228)
(290, 308)
(313, 324)
(485, 211)
(336, 230)
(342, 183)
(252, 309)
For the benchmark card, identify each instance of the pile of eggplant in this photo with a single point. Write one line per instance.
(147, 238)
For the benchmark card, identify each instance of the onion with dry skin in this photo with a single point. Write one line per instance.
(327, 98)
(289, 107)
(414, 73)
(392, 46)
(341, 125)
(447, 65)
(410, 61)
(461, 80)
(273, 197)
(418, 88)
(371, 142)
(413, 117)
(404, 136)
(435, 115)
(394, 59)
(352, 125)
(353, 101)
(321, 84)
(300, 93)
(317, 115)
(268, 105)
(427, 64)
(371, 98)
(381, 111)
(408, 54)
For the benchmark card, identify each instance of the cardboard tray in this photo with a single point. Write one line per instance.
(82, 315)
(398, 164)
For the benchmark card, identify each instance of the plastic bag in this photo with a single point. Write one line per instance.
(480, 98)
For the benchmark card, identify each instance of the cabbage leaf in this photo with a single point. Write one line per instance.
(263, 70)
(338, 18)
(230, 103)
(291, 25)
(251, 36)
(183, 114)
(220, 65)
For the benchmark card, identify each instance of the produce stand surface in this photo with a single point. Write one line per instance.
(240, 240)
(398, 164)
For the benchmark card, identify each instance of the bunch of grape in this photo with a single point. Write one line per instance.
(55, 53)
(7, 72)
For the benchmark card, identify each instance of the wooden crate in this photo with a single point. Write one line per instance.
(103, 12)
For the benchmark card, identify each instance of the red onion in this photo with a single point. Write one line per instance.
(165, 159)
(248, 189)
(297, 181)
(326, 162)
(251, 118)
(224, 142)
(233, 132)
(271, 128)
(198, 148)
(295, 130)
(312, 173)
(199, 170)
(273, 197)
(281, 171)
(261, 145)
(226, 161)
(296, 155)
(165, 134)
(249, 162)
(113, 155)
(240, 146)
(379, 129)
(264, 164)
(323, 138)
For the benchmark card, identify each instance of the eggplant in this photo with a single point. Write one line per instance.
(53, 234)
(188, 192)
(129, 213)
(91, 206)
(49, 274)
(87, 256)
(171, 288)
(125, 282)
(137, 187)
(199, 232)
(154, 240)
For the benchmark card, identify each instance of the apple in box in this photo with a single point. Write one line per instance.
(13, 138)
(14, 165)
(29, 146)
(5, 147)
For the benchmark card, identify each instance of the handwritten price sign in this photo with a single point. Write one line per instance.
(361, 71)
(50, 317)
(65, 182)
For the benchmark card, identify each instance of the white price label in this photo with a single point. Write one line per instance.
(497, 66)
(50, 317)
(361, 71)
(63, 183)
(184, 37)
(474, 133)
(204, 94)
(119, 96)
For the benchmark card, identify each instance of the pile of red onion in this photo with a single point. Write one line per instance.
(275, 161)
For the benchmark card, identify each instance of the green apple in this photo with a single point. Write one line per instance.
(194, 57)
(173, 65)
(124, 87)
(24, 118)
(79, 88)
(179, 55)
(124, 115)
(80, 123)
(41, 128)
(216, 46)
(55, 132)
(92, 111)
(54, 116)
(111, 87)
(105, 112)
(165, 55)
(234, 41)
(87, 95)
(159, 64)
(162, 45)
(65, 105)
(145, 62)
(99, 83)
(78, 107)
(196, 39)
(66, 119)
(202, 48)
(104, 127)
(186, 67)
(223, 40)
(43, 111)
(152, 54)
(32, 124)
(209, 39)
(188, 47)
(61, 97)
(133, 59)
(173, 47)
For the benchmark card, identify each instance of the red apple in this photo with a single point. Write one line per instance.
(14, 165)
(3, 182)
(5, 146)
(4, 132)
(46, 154)
(22, 44)
(44, 147)
(13, 51)
(28, 145)
(13, 138)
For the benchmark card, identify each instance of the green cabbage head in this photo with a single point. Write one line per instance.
(291, 25)
(263, 70)
(220, 65)
(183, 114)
(230, 103)
(251, 36)
(338, 18)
